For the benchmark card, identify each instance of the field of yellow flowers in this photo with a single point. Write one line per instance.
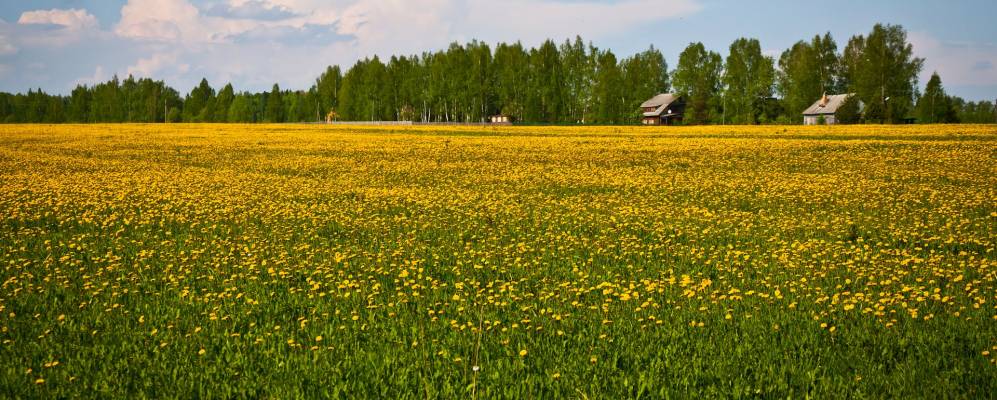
(285, 261)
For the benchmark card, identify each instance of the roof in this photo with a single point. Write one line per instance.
(830, 107)
(660, 103)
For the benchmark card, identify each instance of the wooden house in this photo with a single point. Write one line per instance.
(663, 109)
(827, 108)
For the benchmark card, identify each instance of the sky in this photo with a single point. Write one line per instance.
(58, 44)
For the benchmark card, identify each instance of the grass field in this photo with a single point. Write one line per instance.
(283, 261)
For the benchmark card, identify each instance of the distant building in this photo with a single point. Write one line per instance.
(663, 109)
(500, 119)
(826, 107)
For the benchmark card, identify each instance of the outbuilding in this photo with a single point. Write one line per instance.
(500, 119)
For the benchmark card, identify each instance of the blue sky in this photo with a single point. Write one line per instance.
(57, 44)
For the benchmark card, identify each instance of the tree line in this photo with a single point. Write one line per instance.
(569, 83)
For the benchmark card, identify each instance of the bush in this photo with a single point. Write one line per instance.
(850, 111)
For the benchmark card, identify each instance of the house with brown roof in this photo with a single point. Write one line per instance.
(825, 108)
(663, 109)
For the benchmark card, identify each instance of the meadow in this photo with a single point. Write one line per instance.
(304, 261)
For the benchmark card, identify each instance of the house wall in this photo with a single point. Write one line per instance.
(812, 119)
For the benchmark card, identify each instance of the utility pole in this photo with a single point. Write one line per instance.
(724, 120)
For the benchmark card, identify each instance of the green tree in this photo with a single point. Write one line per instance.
(173, 115)
(546, 100)
(850, 112)
(645, 75)
(579, 75)
(480, 82)
(882, 70)
(107, 103)
(241, 109)
(511, 79)
(697, 78)
(327, 86)
(980, 112)
(199, 103)
(806, 72)
(79, 105)
(223, 102)
(935, 106)
(748, 80)
(608, 90)
(275, 106)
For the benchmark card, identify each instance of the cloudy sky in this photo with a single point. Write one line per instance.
(57, 44)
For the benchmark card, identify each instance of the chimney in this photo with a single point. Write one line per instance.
(823, 100)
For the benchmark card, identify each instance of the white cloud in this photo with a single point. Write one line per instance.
(958, 63)
(182, 22)
(154, 66)
(538, 20)
(74, 19)
(254, 43)
(161, 20)
(98, 76)
(6, 46)
(251, 9)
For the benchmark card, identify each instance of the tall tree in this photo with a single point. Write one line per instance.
(608, 91)
(546, 104)
(645, 75)
(199, 103)
(511, 79)
(579, 74)
(748, 80)
(79, 105)
(327, 86)
(275, 106)
(935, 106)
(480, 81)
(222, 103)
(106, 102)
(806, 72)
(697, 77)
(242, 109)
(882, 70)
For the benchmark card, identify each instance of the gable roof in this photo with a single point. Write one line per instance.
(830, 107)
(660, 103)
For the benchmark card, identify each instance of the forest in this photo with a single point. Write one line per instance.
(569, 83)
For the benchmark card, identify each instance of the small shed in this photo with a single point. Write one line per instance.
(500, 119)
(826, 107)
(663, 109)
